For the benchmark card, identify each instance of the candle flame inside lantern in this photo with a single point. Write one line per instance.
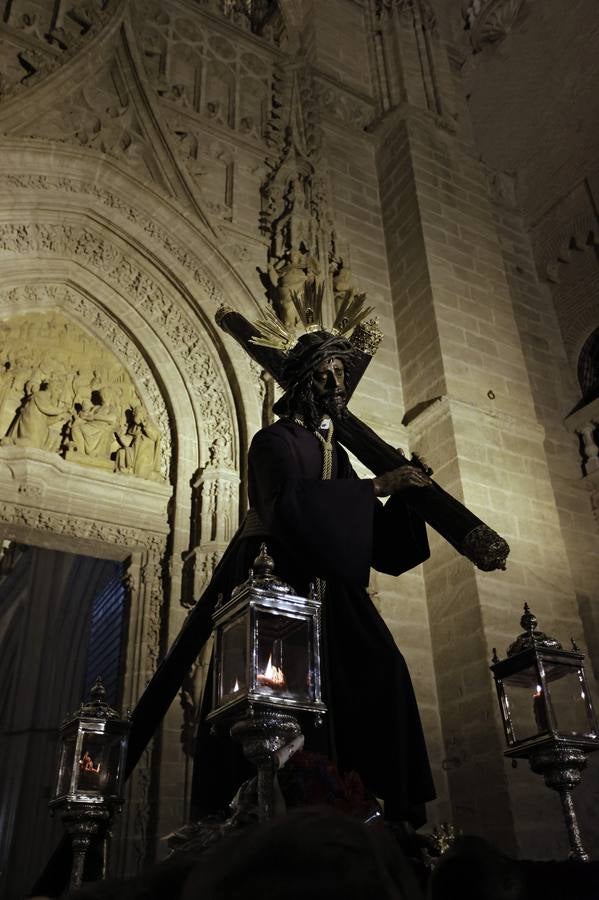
(235, 686)
(540, 713)
(273, 676)
(86, 764)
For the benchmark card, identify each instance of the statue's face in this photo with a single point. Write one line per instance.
(328, 386)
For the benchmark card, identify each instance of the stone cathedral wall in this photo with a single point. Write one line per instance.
(161, 159)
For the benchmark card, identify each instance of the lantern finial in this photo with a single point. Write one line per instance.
(531, 637)
(528, 621)
(97, 706)
(98, 691)
(264, 565)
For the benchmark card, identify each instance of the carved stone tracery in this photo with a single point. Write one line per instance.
(409, 27)
(113, 202)
(207, 81)
(39, 37)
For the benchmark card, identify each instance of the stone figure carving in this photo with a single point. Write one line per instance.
(220, 452)
(59, 395)
(63, 392)
(289, 275)
(18, 373)
(39, 421)
(344, 283)
(139, 453)
(92, 431)
(81, 385)
(6, 413)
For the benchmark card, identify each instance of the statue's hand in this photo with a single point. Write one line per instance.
(399, 480)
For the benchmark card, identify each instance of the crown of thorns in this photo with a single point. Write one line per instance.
(287, 354)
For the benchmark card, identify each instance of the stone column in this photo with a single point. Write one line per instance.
(138, 826)
(470, 410)
(215, 509)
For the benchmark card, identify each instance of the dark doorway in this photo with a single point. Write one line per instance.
(62, 621)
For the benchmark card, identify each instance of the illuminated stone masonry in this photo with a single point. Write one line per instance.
(170, 157)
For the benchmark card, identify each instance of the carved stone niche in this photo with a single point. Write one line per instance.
(215, 505)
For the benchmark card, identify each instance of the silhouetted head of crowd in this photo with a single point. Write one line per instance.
(306, 855)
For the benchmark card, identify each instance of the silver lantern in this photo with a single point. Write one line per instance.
(89, 785)
(547, 713)
(267, 668)
(267, 647)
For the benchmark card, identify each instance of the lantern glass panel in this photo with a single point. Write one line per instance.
(65, 771)
(234, 660)
(525, 704)
(99, 766)
(284, 655)
(571, 709)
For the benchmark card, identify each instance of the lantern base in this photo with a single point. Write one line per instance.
(247, 700)
(541, 744)
(86, 823)
(561, 767)
(268, 738)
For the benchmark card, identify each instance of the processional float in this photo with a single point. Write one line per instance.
(267, 342)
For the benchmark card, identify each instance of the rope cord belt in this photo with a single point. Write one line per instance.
(327, 470)
(320, 584)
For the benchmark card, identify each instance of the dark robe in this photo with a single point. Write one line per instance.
(335, 530)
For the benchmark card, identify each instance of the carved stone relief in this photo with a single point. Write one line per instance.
(152, 588)
(63, 391)
(98, 114)
(151, 605)
(295, 215)
(72, 526)
(261, 17)
(490, 21)
(185, 341)
(211, 165)
(502, 188)
(343, 107)
(113, 202)
(38, 37)
(556, 248)
(407, 10)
